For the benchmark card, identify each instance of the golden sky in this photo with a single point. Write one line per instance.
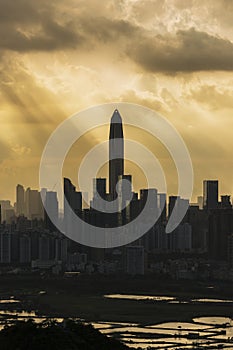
(59, 57)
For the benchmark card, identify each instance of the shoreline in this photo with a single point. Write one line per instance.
(84, 298)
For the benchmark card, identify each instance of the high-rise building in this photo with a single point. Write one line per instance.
(99, 187)
(51, 203)
(152, 194)
(73, 197)
(33, 204)
(116, 152)
(220, 227)
(99, 197)
(226, 202)
(124, 198)
(124, 190)
(5, 206)
(171, 204)
(210, 194)
(5, 247)
(198, 219)
(181, 238)
(24, 249)
(177, 204)
(162, 205)
(15, 236)
(20, 200)
(230, 250)
(10, 216)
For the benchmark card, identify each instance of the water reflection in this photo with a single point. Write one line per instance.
(9, 316)
(205, 332)
(213, 320)
(176, 325)
(202, 333)
(9, 301)
(213, 300)
(19, 314)
(169, 299)
(140, 297)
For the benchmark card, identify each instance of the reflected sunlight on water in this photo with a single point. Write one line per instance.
(206, 332)
(139, 297)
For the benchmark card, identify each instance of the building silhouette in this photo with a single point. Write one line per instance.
(219, 231)
(99, 188)
(116, 152)
(225, 202)
(20, 200)
(5, 208)
(210, 194)
(5, 247)
(51, 202)
(33, 204)
(73, 197)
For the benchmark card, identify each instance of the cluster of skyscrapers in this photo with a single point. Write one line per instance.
(27, 232)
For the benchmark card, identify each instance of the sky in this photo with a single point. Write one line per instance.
(60, 57)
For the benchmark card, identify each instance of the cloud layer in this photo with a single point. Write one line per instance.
(186, 51)
(45, 27)
(27, 26)
(58, 57)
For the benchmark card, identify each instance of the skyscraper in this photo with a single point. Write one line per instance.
(33, 205)
(20, 200)
(51, 202)
(99, 187)
(210, 194)
(220, 228)
(116, 152)
(74, 198)
(99, 194)
(5, 247)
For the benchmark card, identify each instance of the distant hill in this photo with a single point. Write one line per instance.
(69, 335)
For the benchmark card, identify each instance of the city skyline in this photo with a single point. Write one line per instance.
(115, 166)
(29, 201)
(117, 151)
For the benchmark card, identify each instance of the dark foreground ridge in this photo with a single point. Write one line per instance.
(69, 335)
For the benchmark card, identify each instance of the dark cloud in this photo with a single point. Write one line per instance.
(32, 26)
(108, 30)
(45, 26)
(52, 37)
(187, 51)
(20, 11)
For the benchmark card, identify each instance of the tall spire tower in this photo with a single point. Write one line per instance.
(116, 152)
